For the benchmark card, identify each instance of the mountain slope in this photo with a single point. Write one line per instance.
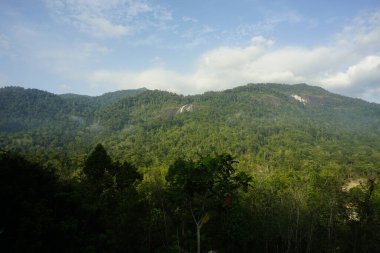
(24, 109)
(266, 126)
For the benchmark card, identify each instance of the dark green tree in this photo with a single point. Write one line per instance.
(97, 166)
(199, 189)
(126, 174)
(40, 213)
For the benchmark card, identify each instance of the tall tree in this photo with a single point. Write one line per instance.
(202, 187)
(96, 166)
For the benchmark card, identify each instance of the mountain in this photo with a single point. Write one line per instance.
(266, 126)
(25, 109)
(306, 161)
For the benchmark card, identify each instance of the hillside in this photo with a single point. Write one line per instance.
(262, 168)
(263, 125)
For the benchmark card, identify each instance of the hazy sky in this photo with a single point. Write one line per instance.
(95, 46)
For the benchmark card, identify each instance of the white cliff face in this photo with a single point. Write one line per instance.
(185, 108)
(300, 99)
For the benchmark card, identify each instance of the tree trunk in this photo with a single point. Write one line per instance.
(309, 242)
(178, 245)
(297, 225)
(198, 239)
(199, 224)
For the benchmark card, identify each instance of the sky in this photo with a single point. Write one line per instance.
(189, 47)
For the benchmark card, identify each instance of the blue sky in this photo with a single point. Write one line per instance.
(189, 47)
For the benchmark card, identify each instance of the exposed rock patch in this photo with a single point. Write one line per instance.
(300, 99)
(185, 108)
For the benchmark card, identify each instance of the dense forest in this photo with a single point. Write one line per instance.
(258, 168)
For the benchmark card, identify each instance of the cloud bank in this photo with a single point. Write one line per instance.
(349, 64)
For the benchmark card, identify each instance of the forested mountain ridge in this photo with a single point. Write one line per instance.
(261, 124)
(18, 102)
(29, 108)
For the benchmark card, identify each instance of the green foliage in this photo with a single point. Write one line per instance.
(201, 189)
(284, 211)
(262, 125)
(97, 165)
(315, 169)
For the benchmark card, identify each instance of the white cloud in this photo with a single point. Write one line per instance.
(101, 27)
(363, 31)
(366, 72)
(195, 35)
(350, 64)
(90, 49)
(276, 18)
(162, 14)
(137, 7)
(216, 70)
(156, 78)
(111, 18)
(266, 26)
(189, 19)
